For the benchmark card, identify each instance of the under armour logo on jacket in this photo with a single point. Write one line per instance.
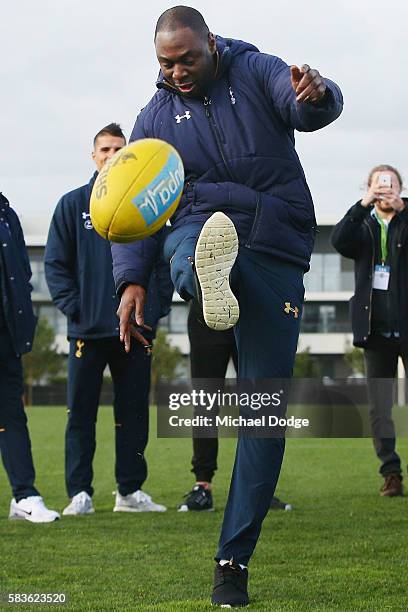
(179, 118)
(87, 218)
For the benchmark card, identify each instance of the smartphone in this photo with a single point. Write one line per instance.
(384, 180)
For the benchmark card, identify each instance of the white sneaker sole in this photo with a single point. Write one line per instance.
(90, 511)
(129, 509)
(19, 517)
(215, 254)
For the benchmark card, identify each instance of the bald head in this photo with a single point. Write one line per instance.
(180, 17)
(186, 50)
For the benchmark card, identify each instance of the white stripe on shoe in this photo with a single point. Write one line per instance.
(215, 254)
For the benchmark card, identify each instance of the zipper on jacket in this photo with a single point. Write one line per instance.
(208, 114)
(372, 272)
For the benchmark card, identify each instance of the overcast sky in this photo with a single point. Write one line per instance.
(69, 67)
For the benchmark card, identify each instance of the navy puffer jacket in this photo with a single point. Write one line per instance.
(238, 150)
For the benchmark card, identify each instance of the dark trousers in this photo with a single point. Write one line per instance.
(210, 352)
(266, 338)
(266, 335)
(381, 359)
(15, 445)
(131, 382)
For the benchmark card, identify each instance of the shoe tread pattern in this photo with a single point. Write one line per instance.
(215, 254)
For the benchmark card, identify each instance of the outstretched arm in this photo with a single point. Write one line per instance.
(304, 99)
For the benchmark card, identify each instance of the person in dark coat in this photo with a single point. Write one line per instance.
(374, 233)
(78, 266)
(17, 328)
(245, 225)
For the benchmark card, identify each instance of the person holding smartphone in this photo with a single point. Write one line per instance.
(374, 233)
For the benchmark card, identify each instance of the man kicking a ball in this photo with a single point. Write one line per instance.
(246, 221)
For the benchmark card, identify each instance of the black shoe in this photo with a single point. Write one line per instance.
(198, 499)
(230, 586)
(277, 504)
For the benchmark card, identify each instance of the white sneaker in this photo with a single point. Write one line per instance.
(81, 503)
(139, 501)
(32, 509)
(215, 254)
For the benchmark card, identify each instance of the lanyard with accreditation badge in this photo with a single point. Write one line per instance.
(382, 272)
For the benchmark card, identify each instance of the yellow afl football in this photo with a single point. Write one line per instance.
(137, 190)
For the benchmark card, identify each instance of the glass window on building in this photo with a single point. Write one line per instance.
(178, 318)
(313, 280)
(38, 275)
(347, 274)
(54, 317)
(321, 318)
(329, 272)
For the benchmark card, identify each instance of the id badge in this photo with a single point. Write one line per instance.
(381, 277)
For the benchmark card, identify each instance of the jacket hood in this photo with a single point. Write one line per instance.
(227, 48)
(3, 200)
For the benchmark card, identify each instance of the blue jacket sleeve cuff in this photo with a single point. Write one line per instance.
(133, 263)
(315, 116)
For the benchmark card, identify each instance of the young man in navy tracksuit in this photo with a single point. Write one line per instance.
(231, 112)
(17, 327)
(78, 267)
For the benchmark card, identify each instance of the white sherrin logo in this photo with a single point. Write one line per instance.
(179, 118)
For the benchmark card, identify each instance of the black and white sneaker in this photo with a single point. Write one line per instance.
(215, 254)
(230, 586)
(277, 504)
(198, 499)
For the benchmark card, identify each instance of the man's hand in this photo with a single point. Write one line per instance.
(372, 195)
(391, 196)
(308, 84)
(132, 303)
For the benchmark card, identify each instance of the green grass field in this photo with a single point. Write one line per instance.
(342, 548)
